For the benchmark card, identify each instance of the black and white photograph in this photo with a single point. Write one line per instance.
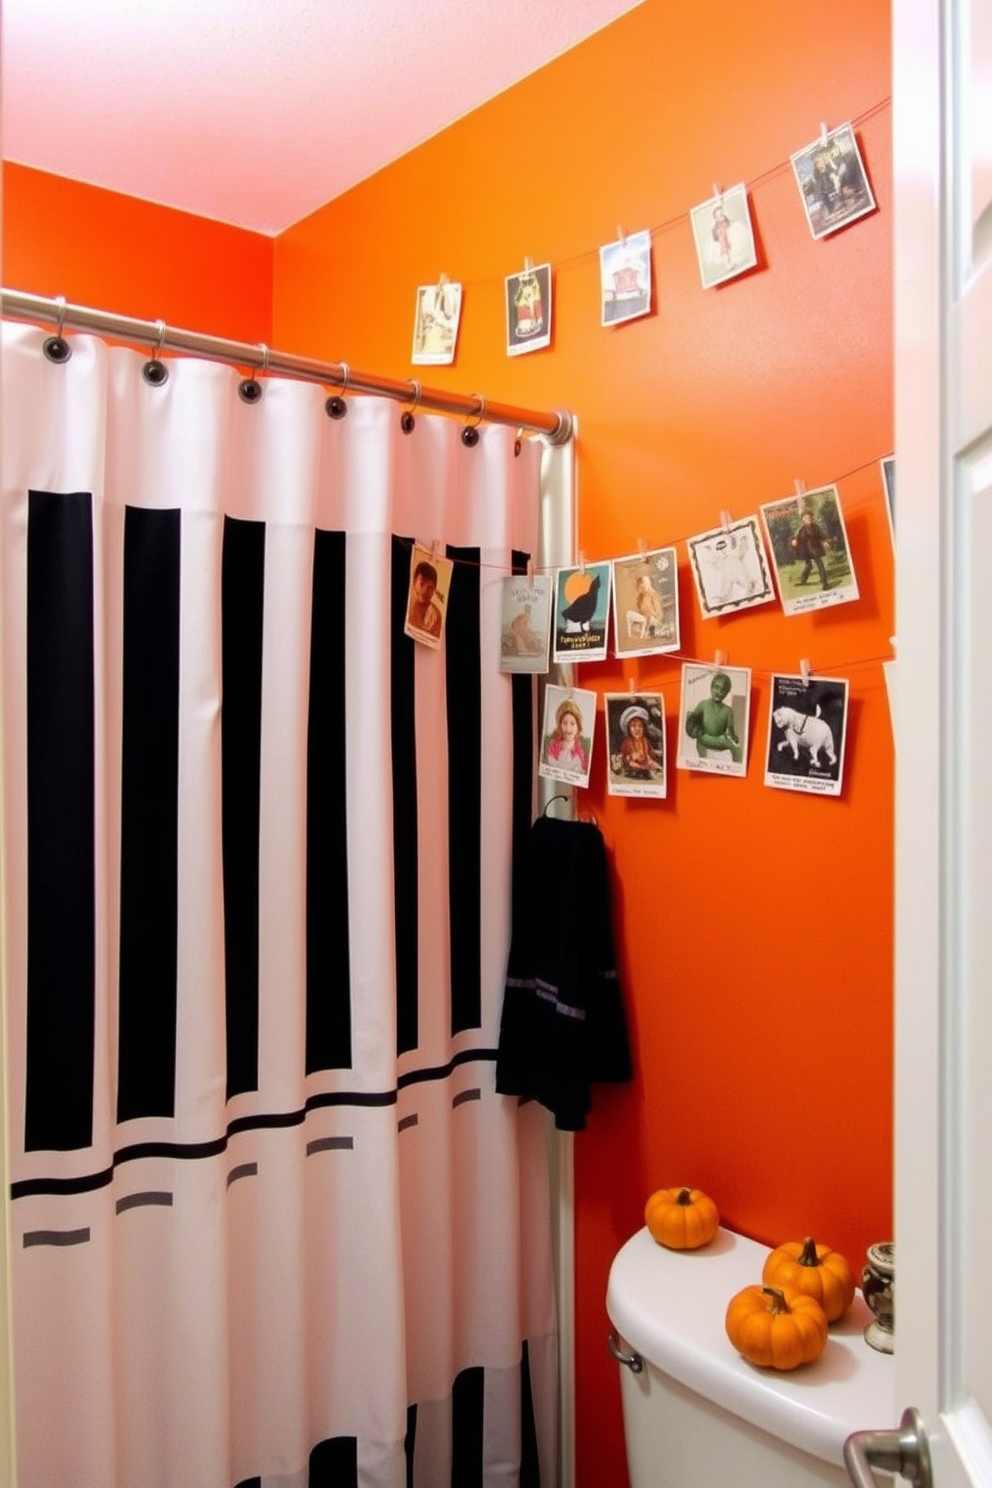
(730, 568)
(724, 237)
(525, 629)
(528, 310)
(646, 603)
(807, 727)
(713, 722)
(625, 278)
(567, 734)
(809, 546)
(582, 610)
(832, 181)
(635, 736)
(435, 327)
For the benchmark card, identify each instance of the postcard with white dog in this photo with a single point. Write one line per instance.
(808, 539)
(646, 603)
(635, 733)
(730, 567)
(713, 731)
(807, 729)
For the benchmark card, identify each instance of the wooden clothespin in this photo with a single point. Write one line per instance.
(582, 561)
(621, 236)
(725, 520)
(717, 192)
(719, 659)
(804, 670)
(823, 134)
(800, 493)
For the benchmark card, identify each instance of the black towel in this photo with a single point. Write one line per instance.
(563, 1024)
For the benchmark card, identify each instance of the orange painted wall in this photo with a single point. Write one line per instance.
(755, 925)
(113, 252)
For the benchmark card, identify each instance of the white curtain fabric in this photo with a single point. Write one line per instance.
(271, 1225)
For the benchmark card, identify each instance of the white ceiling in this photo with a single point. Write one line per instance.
(256, 112)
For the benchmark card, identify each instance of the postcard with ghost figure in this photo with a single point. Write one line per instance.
(567, 735)
(430, 584)
(807, 728)
(832, 182)
(808, 540)
(646, 603)
(730, 567)
(582, 609)
(635, 737)
(625, 278)
(525, 629)
(724, 238)
(528, 310)
(435, 327)
(713, 724)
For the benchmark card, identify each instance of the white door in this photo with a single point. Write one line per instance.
(943, 686)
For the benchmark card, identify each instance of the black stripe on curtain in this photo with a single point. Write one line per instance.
(463, 688)
(404, 770)
(467, 1416)
(410, 1442)
(60, 823)
(334, 1463)
(328, 1033)
(530, 1468)
(522, 798)
(146, 1046)
(242, 600)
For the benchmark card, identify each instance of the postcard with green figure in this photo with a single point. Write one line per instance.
(714, 719)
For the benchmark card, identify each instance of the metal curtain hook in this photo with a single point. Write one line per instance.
(470, 433)
(336, 407)
(407, 419)
(56, 348)
(155, 372)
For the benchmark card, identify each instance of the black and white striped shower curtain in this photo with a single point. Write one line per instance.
(271, 1225)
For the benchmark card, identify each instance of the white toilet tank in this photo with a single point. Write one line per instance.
(698, 1415)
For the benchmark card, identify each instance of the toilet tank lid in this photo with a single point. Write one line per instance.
(669, 1306)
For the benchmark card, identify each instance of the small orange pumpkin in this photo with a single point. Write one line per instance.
(681, 1218)
(776, 1327)
(816, 1270)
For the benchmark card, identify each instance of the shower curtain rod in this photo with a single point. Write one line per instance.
(15, 305)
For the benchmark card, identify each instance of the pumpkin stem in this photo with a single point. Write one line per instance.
(808, 1256)
(684, 1196)
(778, 1304)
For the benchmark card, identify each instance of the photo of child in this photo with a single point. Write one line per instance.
(566, 747)
(635, 725)
(646, 603)
(715, 707)
(430, 582)
(808, 541)
(525, 629)
(721, 229)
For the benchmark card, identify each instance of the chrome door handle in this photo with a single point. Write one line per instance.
(633, 1361)
(905, 1451)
